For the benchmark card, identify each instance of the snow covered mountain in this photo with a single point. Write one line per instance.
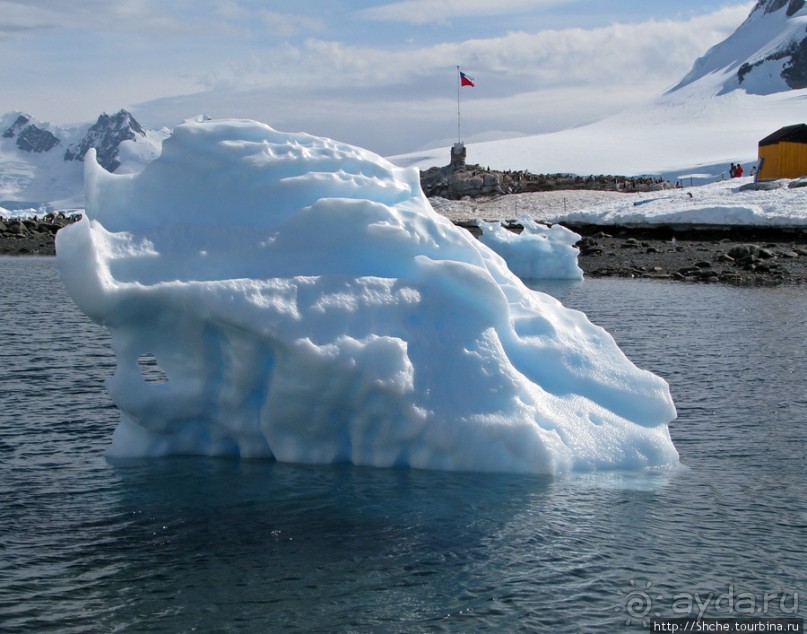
(741, 90)
(765, 55)
(29, 136)
(40, 164)
(106, 135)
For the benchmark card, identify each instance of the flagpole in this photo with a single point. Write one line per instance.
(459, 134)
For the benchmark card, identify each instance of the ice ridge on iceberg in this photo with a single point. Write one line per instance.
(305, 303)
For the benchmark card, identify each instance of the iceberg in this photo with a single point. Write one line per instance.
(276, 295)
(538, 252)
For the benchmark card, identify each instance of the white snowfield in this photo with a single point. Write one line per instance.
(728, 202)
(306, 303)
(702, 124)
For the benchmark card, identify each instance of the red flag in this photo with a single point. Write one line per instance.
(465, 80)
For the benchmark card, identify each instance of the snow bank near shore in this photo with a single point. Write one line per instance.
(538, 252)
(728, 202)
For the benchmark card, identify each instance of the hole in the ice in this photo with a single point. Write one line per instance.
(150, 369)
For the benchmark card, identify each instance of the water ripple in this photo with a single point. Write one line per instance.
(221, 545)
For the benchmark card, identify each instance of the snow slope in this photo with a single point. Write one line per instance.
(707, 121)
(762, 56)
(690, 131)
(727, 202)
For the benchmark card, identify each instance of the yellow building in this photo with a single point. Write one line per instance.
(783, 154)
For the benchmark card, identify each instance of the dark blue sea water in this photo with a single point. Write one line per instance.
(207, 545)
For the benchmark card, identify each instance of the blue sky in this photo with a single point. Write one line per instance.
(378, 74)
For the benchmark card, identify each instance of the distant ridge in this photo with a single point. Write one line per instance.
(40, 162)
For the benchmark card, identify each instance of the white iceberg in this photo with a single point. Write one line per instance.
(538, 252)
(304, 302)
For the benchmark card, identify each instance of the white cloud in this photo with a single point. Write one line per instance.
(267, 22)
(653, 54)
(20, 20)
(650, 53)
(425, 11)
(121, 15)
(530, 82)
(213, 18)
(327, 74)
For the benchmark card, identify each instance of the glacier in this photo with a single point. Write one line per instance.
(302, 301)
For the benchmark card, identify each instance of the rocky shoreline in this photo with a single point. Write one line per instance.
(32, 236)
(739, 256)
(752, 256)
(768, 262)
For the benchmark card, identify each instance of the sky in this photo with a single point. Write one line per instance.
(381, 75)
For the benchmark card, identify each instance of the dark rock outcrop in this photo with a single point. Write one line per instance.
(473, 181)
(34, 139)
(771, 6)
(455, 182)
(32, 235)
(14, 129)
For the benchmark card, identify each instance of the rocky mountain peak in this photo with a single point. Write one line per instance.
(105, 135)
(19, 123)
(29, 136)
